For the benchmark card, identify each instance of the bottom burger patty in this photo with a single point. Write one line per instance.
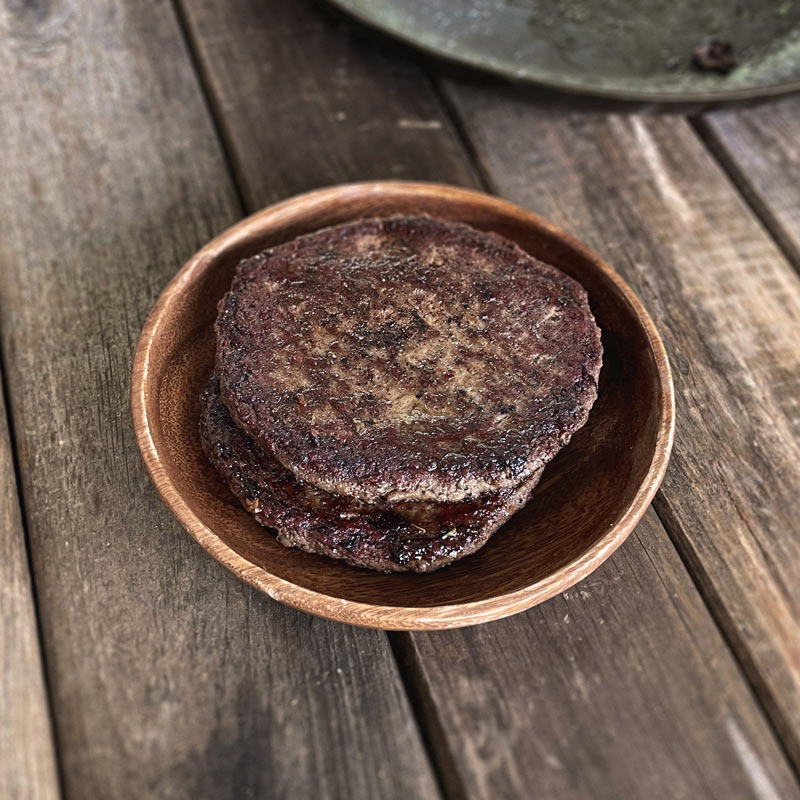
(415, 536)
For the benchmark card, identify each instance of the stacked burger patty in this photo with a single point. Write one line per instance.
(389, 391)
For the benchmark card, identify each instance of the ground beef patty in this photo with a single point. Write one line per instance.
(407, 358)
(414, 536)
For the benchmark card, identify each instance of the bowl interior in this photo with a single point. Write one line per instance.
(584, 492)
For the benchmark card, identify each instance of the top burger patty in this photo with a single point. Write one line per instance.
(407, 358)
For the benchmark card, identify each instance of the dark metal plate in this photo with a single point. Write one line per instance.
(616, 48)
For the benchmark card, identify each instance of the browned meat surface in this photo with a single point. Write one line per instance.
(412, 536)
(406, 358)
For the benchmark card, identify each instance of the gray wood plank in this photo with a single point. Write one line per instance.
(170, 678)
(638, 657)
(304, 102)
(619, 687)
(758, 147)
(27, 755)
(648, 195)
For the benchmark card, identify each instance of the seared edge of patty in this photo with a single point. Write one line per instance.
(407, 358)
(418, 537)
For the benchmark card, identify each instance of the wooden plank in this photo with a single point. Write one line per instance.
(670, 714)
(303, 101)
(758, 148)
(646, 193)
(620, 687)
(27, 755)
(170, 678)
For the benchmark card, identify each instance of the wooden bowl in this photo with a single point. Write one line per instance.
(590, 497)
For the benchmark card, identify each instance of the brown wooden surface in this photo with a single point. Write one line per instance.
(663, 645)
(759, 147)
(621, 687)
(646, 193)
(170, 678)
(338, 108)
(27, 754)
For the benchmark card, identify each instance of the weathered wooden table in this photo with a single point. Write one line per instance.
(134, 666)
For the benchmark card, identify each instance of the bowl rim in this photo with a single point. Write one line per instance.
(371, 615)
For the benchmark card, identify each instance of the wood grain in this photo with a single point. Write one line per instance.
(170, 678)
(305, 102)
(646, 194)
(27, 755)
(658, 656)
(758, 148)
(620, 687)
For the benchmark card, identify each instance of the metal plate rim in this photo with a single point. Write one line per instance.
(376, 22)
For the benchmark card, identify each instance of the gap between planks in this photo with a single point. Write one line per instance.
(781, 728)
(434, 738)
(760, 209)
(54, 746)
(742, 184)
(213, 112)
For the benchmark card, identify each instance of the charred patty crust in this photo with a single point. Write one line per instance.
(416, 536)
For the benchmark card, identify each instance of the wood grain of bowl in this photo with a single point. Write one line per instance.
(590, 497)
